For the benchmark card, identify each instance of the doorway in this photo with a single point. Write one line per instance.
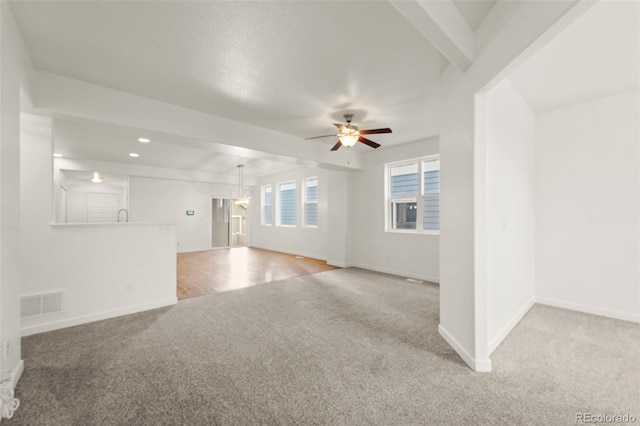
(239, 223)
(228, 222)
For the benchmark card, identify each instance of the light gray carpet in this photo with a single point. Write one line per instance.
(344, 347)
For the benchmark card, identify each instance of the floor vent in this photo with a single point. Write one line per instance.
(413, 280)
(32, 305)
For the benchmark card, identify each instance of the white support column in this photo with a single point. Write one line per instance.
(337, 227)
(463, 289)
(10, 362)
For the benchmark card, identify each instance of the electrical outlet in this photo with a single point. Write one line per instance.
(129, 286)
(5, 349)
(164, 229)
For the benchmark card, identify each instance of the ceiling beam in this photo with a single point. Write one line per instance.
(444, 26)
(56, 94)
(122, 169)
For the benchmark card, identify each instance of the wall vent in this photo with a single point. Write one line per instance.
(32, 305)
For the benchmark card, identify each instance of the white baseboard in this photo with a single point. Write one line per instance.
(309, 255)
(338, 264)
(625, 316)
(479, 365)
(70, 322)
(16, 374)
(510, 325)
(195, 250)
(397, 272)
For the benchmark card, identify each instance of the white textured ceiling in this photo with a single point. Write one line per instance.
(294, 67)
(596, 56)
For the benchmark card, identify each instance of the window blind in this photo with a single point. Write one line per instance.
(288, 204)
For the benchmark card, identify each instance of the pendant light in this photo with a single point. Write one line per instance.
(241, 199)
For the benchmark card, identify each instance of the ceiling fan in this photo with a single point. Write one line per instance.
(348, 134)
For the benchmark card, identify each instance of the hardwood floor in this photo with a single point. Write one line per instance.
(214, 271)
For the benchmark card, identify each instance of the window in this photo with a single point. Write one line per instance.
(311, 202)
(413, 195)
(267, 218)
(287, 210)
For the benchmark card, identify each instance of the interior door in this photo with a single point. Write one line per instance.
(220, 222)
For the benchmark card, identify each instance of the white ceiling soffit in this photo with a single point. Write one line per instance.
(73, 178)
(474, 11)
(448, 24)
(88, 140)
(294, 67)
(441, 23)
(596, 56)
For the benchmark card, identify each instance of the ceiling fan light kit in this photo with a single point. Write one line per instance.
(349, 134)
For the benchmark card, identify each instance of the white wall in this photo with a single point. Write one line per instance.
(410, 255)
(510, 30)
(588, 206)
(10, 79)
(104, 271)
(338, 233)
(462, 313)
(351, 228)
(299, 240)
(164, 200)
(509, 205)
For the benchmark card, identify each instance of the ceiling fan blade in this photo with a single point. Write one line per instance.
(318, 137)
(336, 146)
(375, 131)
(366, 141)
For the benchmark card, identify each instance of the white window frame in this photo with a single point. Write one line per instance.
(306, 202)
(418, 198)
(279, 209)
(431, 195)
(263, 218)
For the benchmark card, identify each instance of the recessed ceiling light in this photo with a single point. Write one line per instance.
(57, 155)
(144, 140)
(134, 154)
(97, 178)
